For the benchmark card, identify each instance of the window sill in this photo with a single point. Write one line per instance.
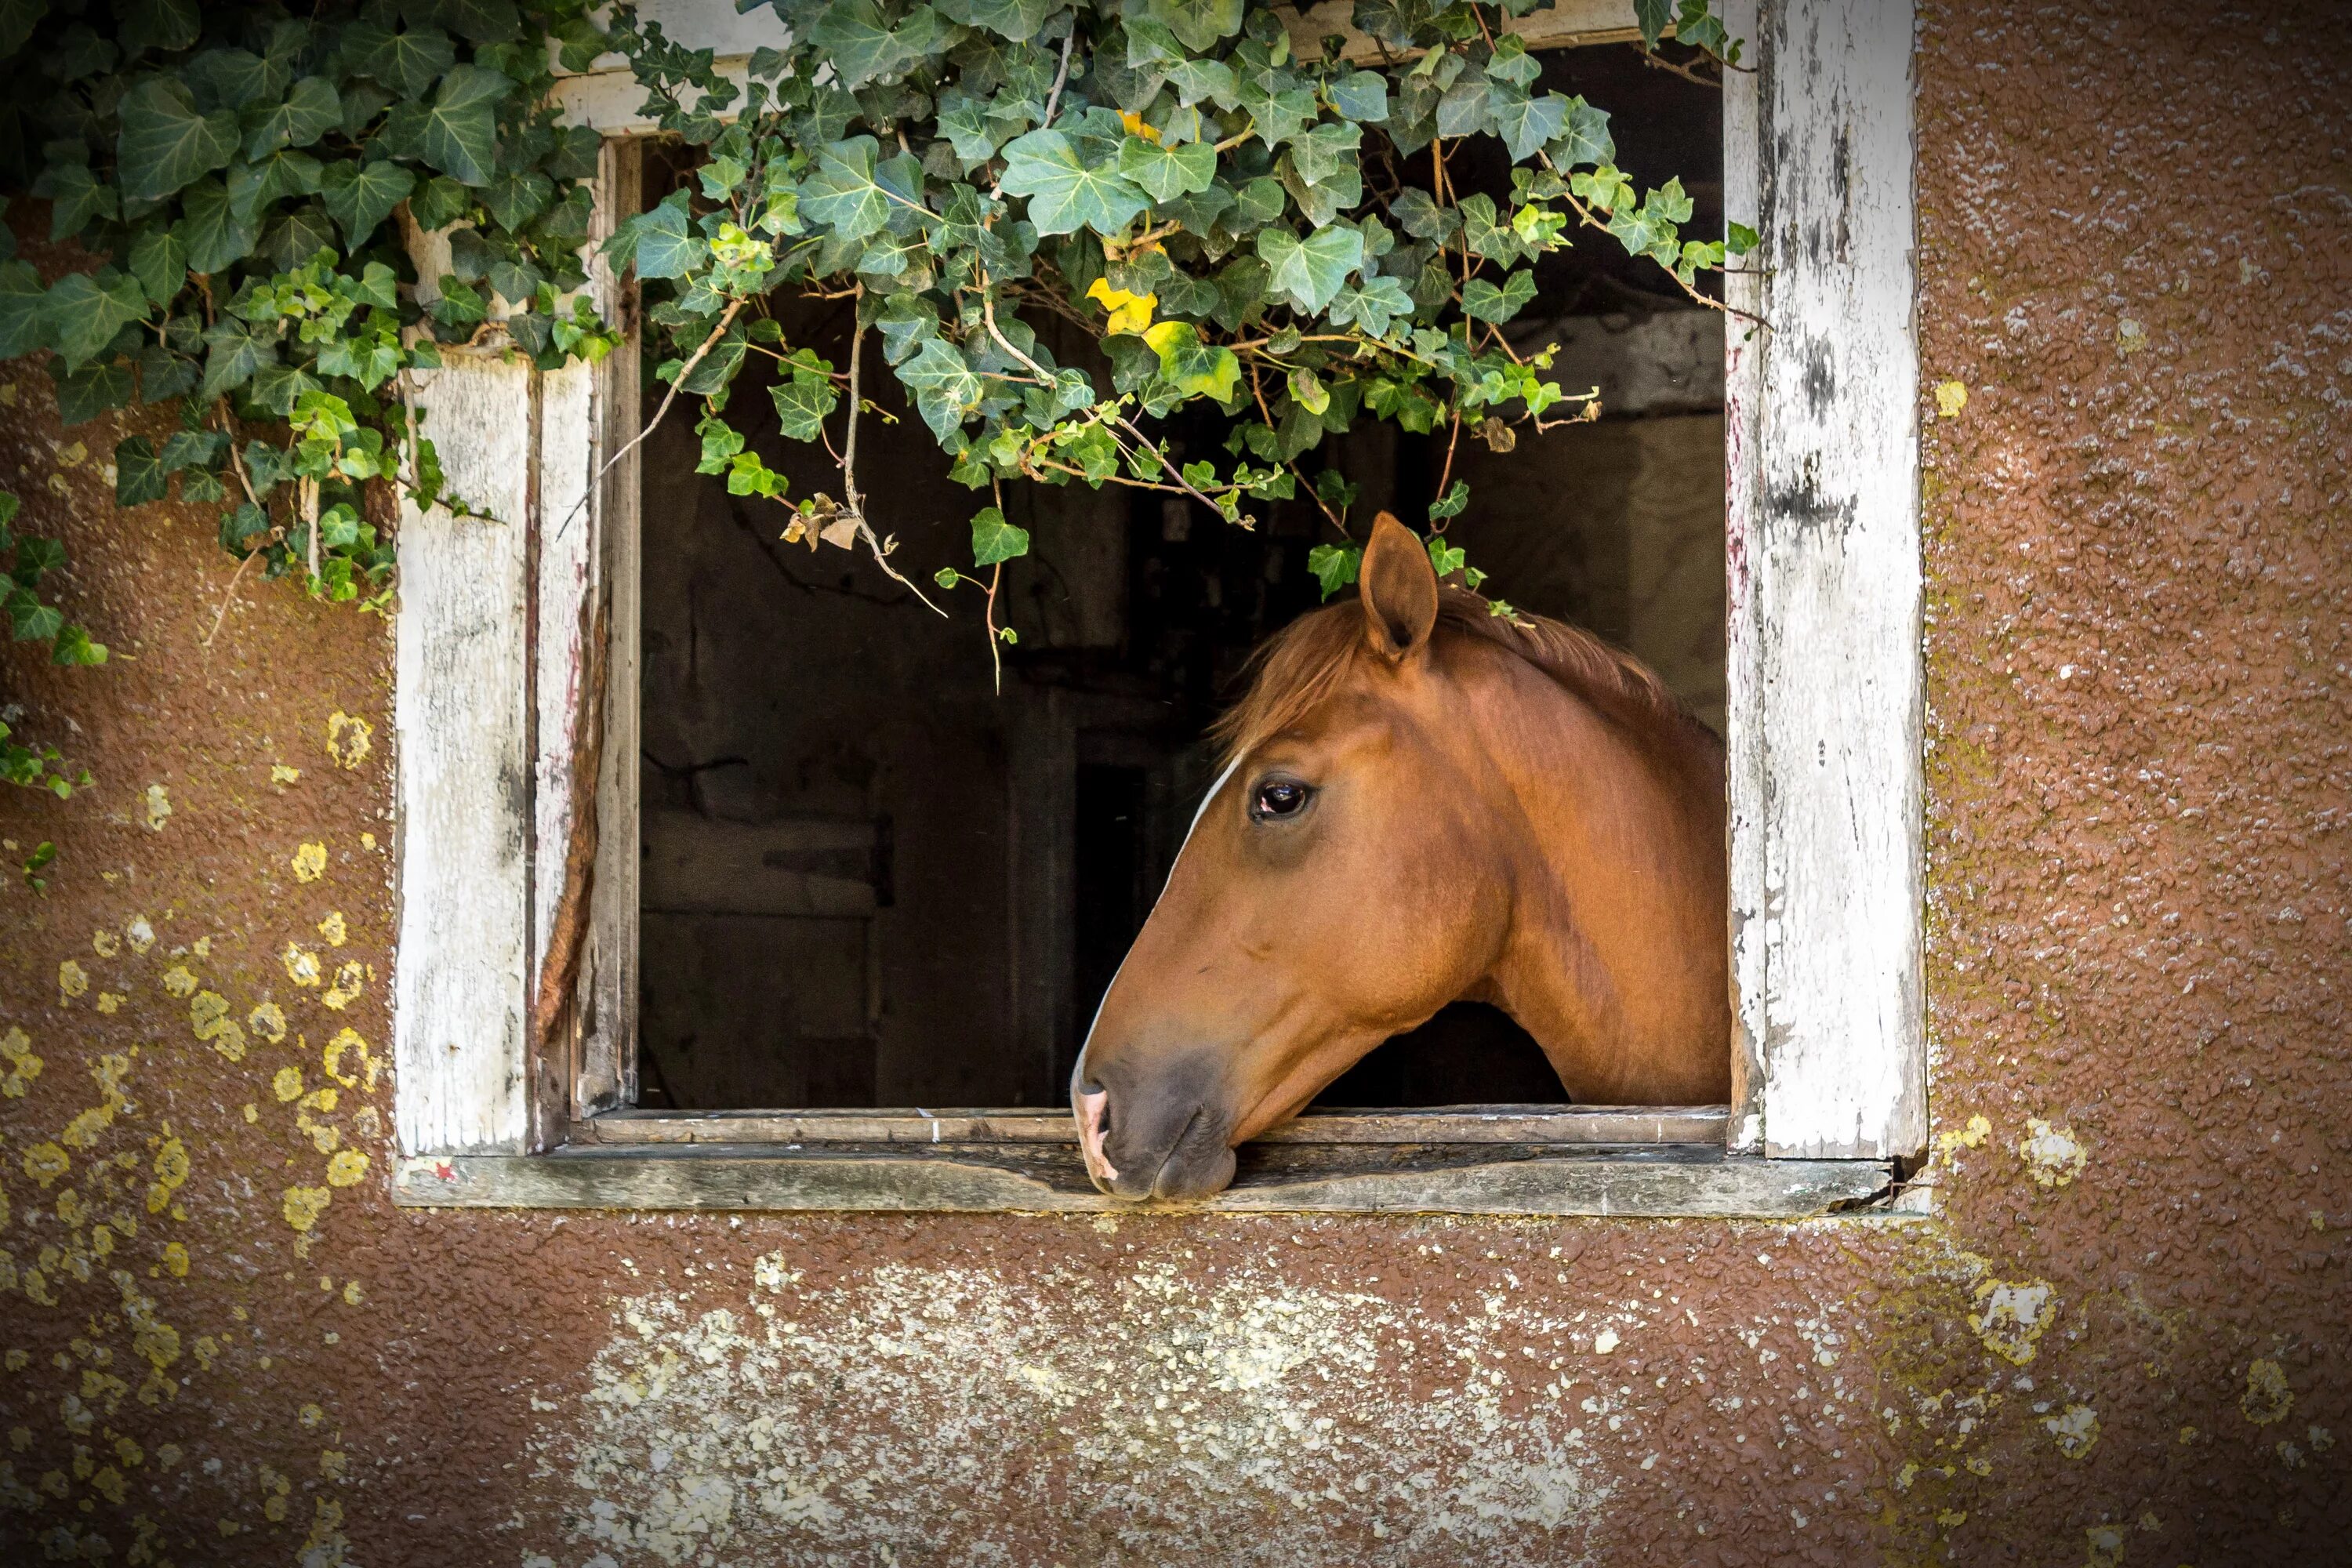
(1527, 1161)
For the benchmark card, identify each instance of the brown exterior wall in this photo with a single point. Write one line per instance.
(2122, 1341)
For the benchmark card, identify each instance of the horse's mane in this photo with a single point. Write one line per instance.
(1305, 662)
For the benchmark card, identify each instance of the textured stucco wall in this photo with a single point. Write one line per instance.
(2122, 1341)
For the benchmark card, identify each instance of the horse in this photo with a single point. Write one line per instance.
(1423, 802)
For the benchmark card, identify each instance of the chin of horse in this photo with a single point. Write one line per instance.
(1424, 804)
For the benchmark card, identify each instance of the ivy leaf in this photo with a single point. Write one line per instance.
(1584, 138)
(76, 196)
(278, 387)
(90, 392)
(1485, 302)
(360, 197)
(1651, 17)
(515, 198)
(1166, 173)
(409, 62)
(236, 351)
(993, 539)
(294, 239)
(946, 390)
(1335, 565)
(159, 262)
(232, 78)
(1192, 368)
(86, 310)
(159, 24)
(73, 646)
(1198, 24)
(138, 472)
(23, 314)
(32, 620)
(1017, 21)
(663, 241)
(17, 19)
(479, 21)
(213, 234)
(1525, 124)
(165, 144)
(253, 187)
(165, 376)
(460, 134)
(1308, 273)
(860, 43)
(1373, 306)
(1065, 195)
(310, 111)
(440, 202)
(843, 194)
(803, 401)
(1361, 96)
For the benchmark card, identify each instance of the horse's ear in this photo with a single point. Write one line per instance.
(1400, 590)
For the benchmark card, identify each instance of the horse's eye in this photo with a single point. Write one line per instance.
(1279, 798)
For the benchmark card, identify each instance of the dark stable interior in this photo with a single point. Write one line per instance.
(871, 878)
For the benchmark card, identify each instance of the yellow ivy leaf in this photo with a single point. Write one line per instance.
(1129, 312)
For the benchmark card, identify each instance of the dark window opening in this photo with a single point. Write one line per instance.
(870, 879)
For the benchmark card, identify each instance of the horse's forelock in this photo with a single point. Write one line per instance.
(1309, 659)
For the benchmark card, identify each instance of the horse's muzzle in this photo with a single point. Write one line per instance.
(1156, 1137)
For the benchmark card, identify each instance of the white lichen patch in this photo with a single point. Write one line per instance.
(2011, 1316)
(1244, 1422)
(2076, 1429)
(2052, 1155)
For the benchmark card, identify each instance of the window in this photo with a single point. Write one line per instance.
(565, 1029)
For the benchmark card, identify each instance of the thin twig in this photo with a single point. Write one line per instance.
(995, 655)
(856, 506)
(1061, 77)
(227, 597)
(1445, 474)
(725, 320)
(1651, 57)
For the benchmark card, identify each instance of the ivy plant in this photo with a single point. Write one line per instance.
(1225, 213)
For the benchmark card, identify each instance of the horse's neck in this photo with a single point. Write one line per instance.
(1616, 961)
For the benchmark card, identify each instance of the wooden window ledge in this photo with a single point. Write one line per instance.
(1640, 1161)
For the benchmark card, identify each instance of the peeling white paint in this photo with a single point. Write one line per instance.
(1251, 1421)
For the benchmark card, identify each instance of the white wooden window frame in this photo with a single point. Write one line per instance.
(515, 713)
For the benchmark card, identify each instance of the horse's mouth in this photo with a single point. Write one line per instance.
(1197, 1163)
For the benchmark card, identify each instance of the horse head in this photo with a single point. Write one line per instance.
(1424, 803)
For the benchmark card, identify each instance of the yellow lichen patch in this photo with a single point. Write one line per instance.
(208, 1018)
(1951, 396)
(105, 943)
(2076, 1429)
(159, 806)
(351, 979)
(333, 929)
(45, 1162)
(23, 1065)
(250, 1111)
(2107, 1546)
(175, 1259)
(72, 981)
(131, 1455)
(2011, 1316)
(110, 1001)
(309, 1415)
(2053, 1157)
(350, 1292)
(367, 840)
(268, 1021)
(279, 773)
(346, 1168)
(1972, 1136)
(2267, 1398)
(287, 1084)
(84, 1130)
(309, 862)
(170, 1171)
(332, 1058)
(324, 1138)
(305, 1205)
(179, 980)
(320, 1100)
(139, 933)
(301, 964)
(349, 739)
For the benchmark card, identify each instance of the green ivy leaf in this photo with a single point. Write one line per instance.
(214, 236)
(803, 401)
(17, 19)
(235, 352)
(138, 473)
(90, 390)
(1485, 302)
(23, 309)
(1525, 124)
(946, 390)
(73, 646)
(1651, 16)
(232, 78)
(159, 262)
(86, 310)
(663, 241)
(1335, 565)
(478, 21)
(76, 196)
(1065, 194)
(1450, 505)
(844, 193)
(254, 187)
(995, 540)
(514, 198)
(1192, 368)
(159, 24)
(1308, 273)
(360, 197)
(1166, 173)
(860, 43)
(1198, 24)
(1017, 21)
(1584, 138)
(310, 111)
(440, 202)
(165, 143)
(1361, 96)
(409, 62)
(32, 620)
(1374, 306)
(459, 133)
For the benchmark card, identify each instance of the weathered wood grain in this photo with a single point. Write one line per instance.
(1825, 590)
(460, 713)
(1516, 1181)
